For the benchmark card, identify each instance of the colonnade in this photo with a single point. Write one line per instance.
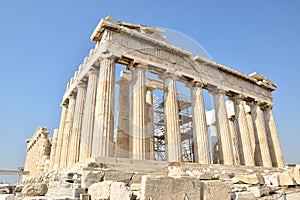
(87, 122)
(37, 153)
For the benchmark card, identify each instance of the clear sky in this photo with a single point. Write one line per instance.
(42, 43)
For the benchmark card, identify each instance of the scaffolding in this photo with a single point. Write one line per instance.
(185, 123)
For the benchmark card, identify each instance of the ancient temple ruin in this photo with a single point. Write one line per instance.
(151, 130)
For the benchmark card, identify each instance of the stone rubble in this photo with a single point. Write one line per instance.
(35, 189)
(175, 183)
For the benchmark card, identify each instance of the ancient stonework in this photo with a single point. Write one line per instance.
(143, 148)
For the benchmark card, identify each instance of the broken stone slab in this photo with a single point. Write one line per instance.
(118, 176)
(100, 191)
(259, 191)
(165, 188)
(271, 180)
(176, 172)
(293, 195)
(252, 179)
(119, 190)
(216, 189)
(240, 187)
(35, 189)
(90, 177)
(297, 174)
(285, 179)
(243, 196)
(7, 197)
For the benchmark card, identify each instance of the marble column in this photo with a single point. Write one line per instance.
(53, 149)
(234, 141)
(262, 147)
(273, 139)
(251, 132)
(88, 116)
(103, 135)
(244, 142)
(200, 133)
(223, 127)
(60, 137)
(122, 137)
(214, 144)
(149, 124)
(74, 144)
(138, 111)
(67, 132)
(42, 144)
(172, 134)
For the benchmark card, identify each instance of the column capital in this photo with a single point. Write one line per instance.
(108, 56)
(82, 84)
(136, 65)
(195, 83)
(122, 81)
(238, 98)
(216, 90)
(94, 71)
(72, 95)
(260, 104)
(266, 106)
(169, 75)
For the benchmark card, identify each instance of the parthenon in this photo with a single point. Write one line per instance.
(88, 129)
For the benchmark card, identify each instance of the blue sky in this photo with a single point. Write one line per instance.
(42, 43)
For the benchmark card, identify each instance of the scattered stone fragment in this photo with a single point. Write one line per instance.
(285, 179)
(240, 187)
(297, 174)
(248, 178)
(7, 197)
(175, 172)
(100, 191)
(215, 190)
(259, 191)
(119, 190)
(35, 189)
(90, 177)
(165, 188)
(243, 196)
(118, 176)
(271, 180)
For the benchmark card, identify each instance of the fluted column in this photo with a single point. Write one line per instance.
(67, 131)
(234, 141)
(200, 133)
(223, 127)
(245, 150)
(103, 135)
(122, 142)
(138, 102)
(53, 153)
(88, 116)
(172, 134)
(262, 147)
(60, 137)
(251, 132)
(74, 144)
(214, 138)
(149, 124)
(43, 143)
(273, 139)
